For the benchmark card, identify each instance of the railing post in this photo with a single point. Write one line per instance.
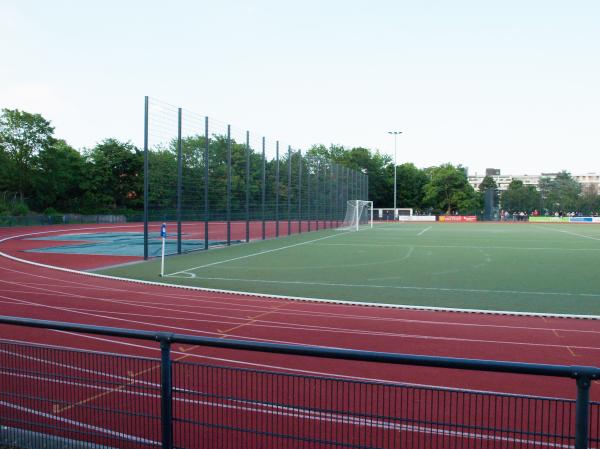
(166, 393)
(582, 410)
(146, 180)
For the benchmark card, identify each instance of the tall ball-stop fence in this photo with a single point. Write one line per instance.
(215, 184)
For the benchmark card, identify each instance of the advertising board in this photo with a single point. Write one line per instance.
(458, 218)
(416, 218)
(548, 219)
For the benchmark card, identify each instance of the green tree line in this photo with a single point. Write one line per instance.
(42, 173)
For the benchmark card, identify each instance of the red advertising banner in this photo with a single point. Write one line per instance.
(458, 218)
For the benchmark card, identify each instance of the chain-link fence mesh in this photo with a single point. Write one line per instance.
(216, 184)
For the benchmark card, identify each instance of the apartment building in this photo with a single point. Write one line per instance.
(503, 181)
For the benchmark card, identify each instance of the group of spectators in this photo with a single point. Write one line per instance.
(524, 216)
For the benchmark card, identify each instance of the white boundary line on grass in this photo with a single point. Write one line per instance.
(570, 233)
(263, 295)
(424, 231)
(192, 275)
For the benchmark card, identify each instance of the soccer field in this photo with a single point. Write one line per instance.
(527, 267)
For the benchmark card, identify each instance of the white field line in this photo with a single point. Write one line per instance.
(288, 297)
(407, 256)
(403, 287)
(187, 271)
(406, 245)
(570, 233)
(74, 423)
(424, 231)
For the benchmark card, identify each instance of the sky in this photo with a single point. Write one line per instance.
(511, 85)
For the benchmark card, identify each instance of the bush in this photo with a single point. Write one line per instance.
(51, 211)
(18, 209)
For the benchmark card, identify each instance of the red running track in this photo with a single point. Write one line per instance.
(31, 291)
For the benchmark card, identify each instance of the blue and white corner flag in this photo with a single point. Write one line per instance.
(163, 234)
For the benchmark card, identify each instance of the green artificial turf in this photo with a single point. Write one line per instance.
(529, 267)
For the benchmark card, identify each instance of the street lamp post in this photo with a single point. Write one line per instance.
(395, 134)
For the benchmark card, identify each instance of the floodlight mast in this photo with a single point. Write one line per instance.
(395, 134)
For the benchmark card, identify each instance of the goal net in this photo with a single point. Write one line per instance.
(358, 213)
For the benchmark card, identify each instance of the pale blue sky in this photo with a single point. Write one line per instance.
(507, 84)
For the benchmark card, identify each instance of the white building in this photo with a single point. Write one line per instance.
(503, 181)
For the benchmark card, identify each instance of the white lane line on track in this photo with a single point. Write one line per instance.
(268, 251)
(248, 295)
(66, 365)
(336, 315)
(279, 368)
(269, 324)
(424, 231)
(162, 308)
(326, 416)
(406, 336)
(569, 233)
(75, 423)
(178, 294)
(403, 287)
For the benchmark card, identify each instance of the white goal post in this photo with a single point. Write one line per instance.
(358, 213)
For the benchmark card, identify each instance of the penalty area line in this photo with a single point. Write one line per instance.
(192, 275)
(424, 231)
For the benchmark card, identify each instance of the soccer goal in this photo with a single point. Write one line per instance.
(358, 213)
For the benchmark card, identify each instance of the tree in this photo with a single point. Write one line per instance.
(487, 183)
(560, 194)
(589, 201)
(566, 191)
(448, 190)
(372, 163)
(114, 177)
(22, 136)
(410, 186)
(59, 169)
(520, 198)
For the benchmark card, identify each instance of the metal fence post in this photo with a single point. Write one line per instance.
(277, 189)
(338, 207)
(289, 192)
(228, 185)
(308, 211)
(299, 192)
(206, 180)
(146, 174)
(166, 393)
(247, 186)
(263, 190)
(317, 197)
(582, 412)
(179, 179)
(331, 195)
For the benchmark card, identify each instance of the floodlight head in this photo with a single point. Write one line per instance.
(394, 132)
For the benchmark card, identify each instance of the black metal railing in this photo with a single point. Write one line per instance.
(69, 396)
